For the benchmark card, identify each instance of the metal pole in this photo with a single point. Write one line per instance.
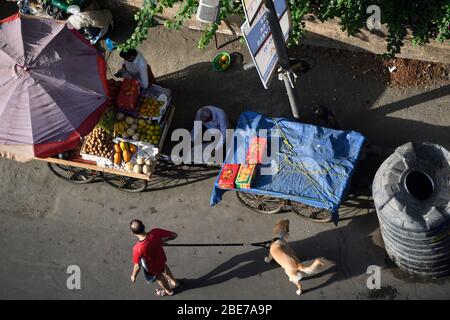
(249, 66)
(280, 45)
(292, 94)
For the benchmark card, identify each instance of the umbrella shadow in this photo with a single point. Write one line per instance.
(347, 252)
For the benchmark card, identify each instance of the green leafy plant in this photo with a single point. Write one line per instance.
(107, 120)
(424, 20)
(144, 18)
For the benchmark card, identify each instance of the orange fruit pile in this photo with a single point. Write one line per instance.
(223, 62)
(150, 107)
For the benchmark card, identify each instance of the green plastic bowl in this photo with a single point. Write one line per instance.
(219, 67)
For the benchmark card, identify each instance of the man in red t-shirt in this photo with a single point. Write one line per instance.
(148, 253)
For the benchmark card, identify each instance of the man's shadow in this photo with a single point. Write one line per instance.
(347, 253)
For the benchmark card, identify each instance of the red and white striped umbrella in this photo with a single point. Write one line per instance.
(53, 87)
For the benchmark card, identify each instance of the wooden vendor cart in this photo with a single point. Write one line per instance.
(75, 100)
(81, 171)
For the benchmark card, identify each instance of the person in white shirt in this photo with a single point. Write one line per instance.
(135, 67)
(213, 118)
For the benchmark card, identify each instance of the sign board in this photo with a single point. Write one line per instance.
(257, 35)
(283, 16)
(262, 49)
(285, 23)
(280, 7)
(251, 8)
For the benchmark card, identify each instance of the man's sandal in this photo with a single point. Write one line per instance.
(178, 287)
(161, 293)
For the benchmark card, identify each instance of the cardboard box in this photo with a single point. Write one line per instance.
(245, 176)
(228, 176)
(256, 150)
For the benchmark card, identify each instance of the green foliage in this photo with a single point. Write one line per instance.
(107, 120)
(425, 20)
(144, 18)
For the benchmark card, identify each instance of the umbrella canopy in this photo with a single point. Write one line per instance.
(53, 87)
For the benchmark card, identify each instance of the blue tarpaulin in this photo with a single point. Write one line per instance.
(312, 165)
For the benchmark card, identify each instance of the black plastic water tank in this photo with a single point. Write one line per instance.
(411, 191)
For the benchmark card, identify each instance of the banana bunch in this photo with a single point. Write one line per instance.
(120, 127)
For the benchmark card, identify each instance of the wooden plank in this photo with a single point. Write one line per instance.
(95, 167)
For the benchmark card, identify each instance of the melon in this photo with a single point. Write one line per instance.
(146, 169)
(129, 120)
(129, 166)
(137, 168)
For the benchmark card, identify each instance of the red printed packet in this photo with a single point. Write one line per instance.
(245, 176)
(128, 95)
(256, 150)
(228, 175)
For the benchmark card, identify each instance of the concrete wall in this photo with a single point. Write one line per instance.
(326, 34)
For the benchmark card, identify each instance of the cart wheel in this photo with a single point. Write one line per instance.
(73, 174)
(310, 213)
(259, 203)
(124, 183)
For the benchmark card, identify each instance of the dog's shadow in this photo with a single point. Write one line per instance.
(347, 252)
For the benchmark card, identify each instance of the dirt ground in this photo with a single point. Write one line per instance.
(410, 73)
(396, 72)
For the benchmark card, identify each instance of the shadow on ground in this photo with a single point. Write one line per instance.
(348, 251)
(168, 175)
(7, 9)
(349, 83)
(334, 86)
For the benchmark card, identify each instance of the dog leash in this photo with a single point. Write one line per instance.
(262, 244)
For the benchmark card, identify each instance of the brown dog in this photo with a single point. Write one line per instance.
(283, 254)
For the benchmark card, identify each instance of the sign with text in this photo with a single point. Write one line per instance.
(280, 7)
(263, 52)
(257, 34)
(251, 8)
(285, 23)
